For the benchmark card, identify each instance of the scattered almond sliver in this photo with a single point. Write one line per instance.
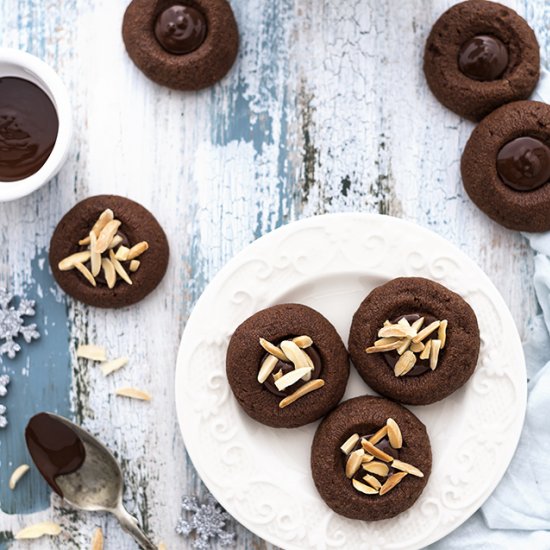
(134, 393)
(17, 474)
(300, 392)
(111, 366)
(97, 539)
(392, 482)
(38, 530)
(349, 444)
(90, 351)
(394, 434)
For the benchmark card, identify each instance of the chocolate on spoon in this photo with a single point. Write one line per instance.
(80, 469)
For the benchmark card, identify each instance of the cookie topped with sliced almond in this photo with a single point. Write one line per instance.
(371, 458)
(414, 340)
(108, 251)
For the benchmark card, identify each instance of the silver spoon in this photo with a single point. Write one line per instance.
(97, 485)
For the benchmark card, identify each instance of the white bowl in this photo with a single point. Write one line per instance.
(24, 65)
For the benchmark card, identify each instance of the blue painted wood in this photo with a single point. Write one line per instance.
(40, 381)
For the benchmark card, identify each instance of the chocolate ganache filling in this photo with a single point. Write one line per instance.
(55, 448)
(283, 368)
(180, 29)
(524, 163)
(483, 58)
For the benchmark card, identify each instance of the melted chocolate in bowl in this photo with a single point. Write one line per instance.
(28, 128)
(524, 163)
(483, 58)
(54, 447)
(288, 367)
(422, 366)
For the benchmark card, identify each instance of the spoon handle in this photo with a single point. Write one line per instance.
(130, 525)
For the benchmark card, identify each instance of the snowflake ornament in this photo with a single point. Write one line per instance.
(207, 521)
(13, 325)
(4, 381)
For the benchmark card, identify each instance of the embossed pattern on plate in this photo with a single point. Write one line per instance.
(261, 475)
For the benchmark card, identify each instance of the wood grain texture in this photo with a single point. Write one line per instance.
(326, 110)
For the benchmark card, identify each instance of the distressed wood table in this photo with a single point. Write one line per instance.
(326, 110)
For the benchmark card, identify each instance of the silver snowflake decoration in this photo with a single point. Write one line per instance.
(207, 521)
(12, 324)
(4, 381)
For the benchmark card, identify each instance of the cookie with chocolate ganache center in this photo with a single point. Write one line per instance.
(182, 44)
(414, 341)
(370, 459)
(108, 251)
(506, 166)
(287, 366)
(480, 55)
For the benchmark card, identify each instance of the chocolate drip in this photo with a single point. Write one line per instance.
(55, 448)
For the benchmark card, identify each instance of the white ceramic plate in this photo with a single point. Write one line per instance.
(262, 475)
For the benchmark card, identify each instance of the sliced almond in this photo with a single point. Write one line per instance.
(417, 348)
(377, 468)
(386, 341)
(375, 451)
(17, 474)
(95, 259)
(362, 488)
(118, 268)
(117, 239)
(267, 368)
(408, 468)
(278, 375)
(354, 463)
(398, 331)
(291, 378)
(300, 392)
(385, 347)
(303, 341)
(392, 482)
(105, 217)
(404, 323)
(434, 353)
(134, 265)
(97, 539)
(106, 235)
(378, 436)
(111, 366)
(417, 325)
(91, 351)
(394, 434)
(349, 444)
(134, 393)
(372, 481)
(386, 323)
(122, 253)
(86, 272)
(405, 343)
(426, 331)
(295, 354)
(274, 350)
(70, 262)
(442, 332)
(426, 351)
(38, 530)
(85, 241)
(137, 250)
(405, 363)
(367, 458)
(109, 272)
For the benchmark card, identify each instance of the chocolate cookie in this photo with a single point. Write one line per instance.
(479, 56)
(370, 459)
(182, 44)
(108, 251)
(414, 341)
(506, 166)
(287, 366)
